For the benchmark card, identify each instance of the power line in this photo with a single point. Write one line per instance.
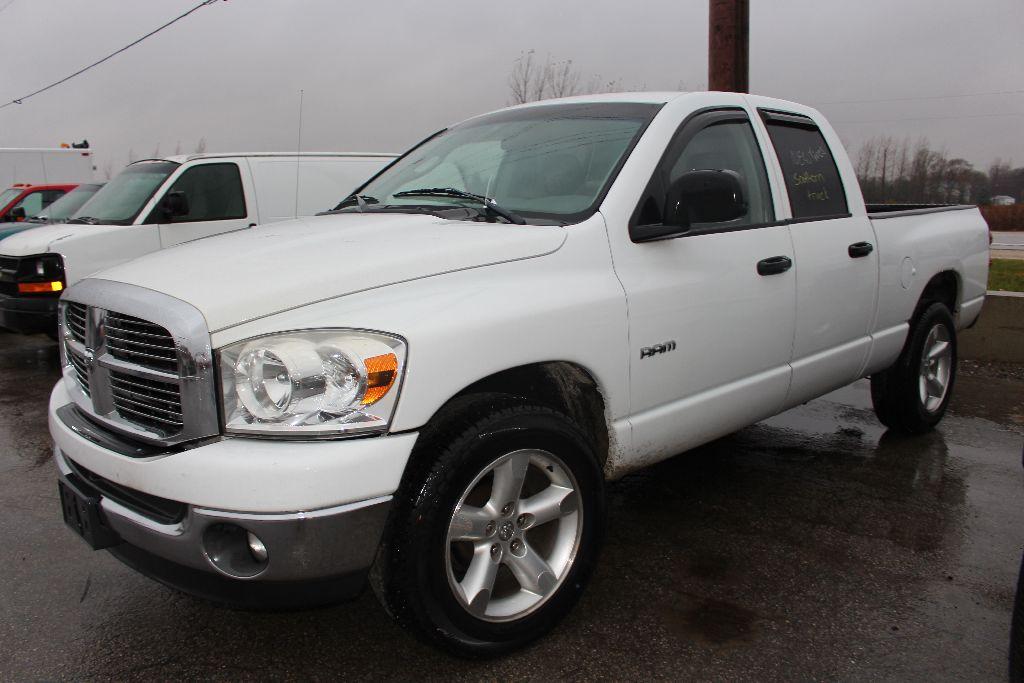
(6, 5)
(19, 100)
(926, 97)
(936, 118)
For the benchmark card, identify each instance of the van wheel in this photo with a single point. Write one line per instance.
(491, 543)
(913, 394)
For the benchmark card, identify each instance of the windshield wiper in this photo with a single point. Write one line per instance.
(489, 205)
(87, 220)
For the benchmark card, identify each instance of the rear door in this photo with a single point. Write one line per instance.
(710, 336)
(216, 193)
(836, 261)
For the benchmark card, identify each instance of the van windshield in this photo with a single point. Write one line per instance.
(546, 163)
(121, 200)
(7, 195)
(66, 206)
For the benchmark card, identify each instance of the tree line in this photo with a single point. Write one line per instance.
(905, 172)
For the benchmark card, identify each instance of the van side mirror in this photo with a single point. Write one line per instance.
(705, 196)
(17, 214)
(173, 205)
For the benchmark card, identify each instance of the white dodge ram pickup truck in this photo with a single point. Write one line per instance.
(436, 380)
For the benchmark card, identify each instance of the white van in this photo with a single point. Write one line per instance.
(45, 166)
(158, 203)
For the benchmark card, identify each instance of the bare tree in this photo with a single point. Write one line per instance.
(563, 79)
(108, 169)
(528, 80)
(156, 151)
(177, 148)
(201, 146)
(531, 80)
(131, 155)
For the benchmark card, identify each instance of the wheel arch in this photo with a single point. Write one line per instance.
(945, 288)
(564, 386)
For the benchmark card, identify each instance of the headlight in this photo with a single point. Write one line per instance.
(311, 384)
(43, 274)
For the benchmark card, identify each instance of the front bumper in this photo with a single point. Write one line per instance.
(313, 557)
(182, 517)
(28, 314)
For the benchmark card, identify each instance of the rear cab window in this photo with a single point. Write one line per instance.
(812, 178)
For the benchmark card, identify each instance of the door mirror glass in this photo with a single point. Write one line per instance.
(174, 205)
(705, 196)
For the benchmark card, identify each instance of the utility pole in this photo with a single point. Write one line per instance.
(728, 40)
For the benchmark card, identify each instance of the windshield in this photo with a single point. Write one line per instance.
(66, 206)
(7, 195)
(547, 163)
(121, 200)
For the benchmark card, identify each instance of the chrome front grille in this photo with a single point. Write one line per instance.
(140, 341)
(138, 361)
(74, 317)
(81, 371)
(152, 403)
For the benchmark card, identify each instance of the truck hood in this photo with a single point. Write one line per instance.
(241, 276)
(40, 239)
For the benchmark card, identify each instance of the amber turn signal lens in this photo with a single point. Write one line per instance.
(380, 375)
(39, 287)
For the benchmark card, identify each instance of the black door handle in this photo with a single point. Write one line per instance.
(774, 265)
(860, 249)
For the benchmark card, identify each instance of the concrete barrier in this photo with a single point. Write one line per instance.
(999, 333)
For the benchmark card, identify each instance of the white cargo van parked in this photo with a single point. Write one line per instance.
(158, 203)
(42, 166)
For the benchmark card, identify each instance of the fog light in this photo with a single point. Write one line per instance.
(235, 551)
(256, 547)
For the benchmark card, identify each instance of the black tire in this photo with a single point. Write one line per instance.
(410, 574)
(895, 393)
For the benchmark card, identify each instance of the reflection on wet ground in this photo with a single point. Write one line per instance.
(813, 545)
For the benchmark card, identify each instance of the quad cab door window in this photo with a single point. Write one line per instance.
(812, 178)
(692, 283)
(712, 179)
(206, 199)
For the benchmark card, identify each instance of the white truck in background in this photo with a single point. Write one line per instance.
(45, 166)
(437, 380)
(158, 203)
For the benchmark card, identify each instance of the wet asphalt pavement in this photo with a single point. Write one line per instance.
(810, 546)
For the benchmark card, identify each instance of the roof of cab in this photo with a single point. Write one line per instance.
(632, 97)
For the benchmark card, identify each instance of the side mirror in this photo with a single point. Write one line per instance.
(173, 205)
(17, 214)
(705, 196)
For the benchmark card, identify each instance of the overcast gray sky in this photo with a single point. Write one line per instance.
(380, 76)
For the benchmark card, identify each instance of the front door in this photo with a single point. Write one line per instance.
(711, 330)
(214, 199)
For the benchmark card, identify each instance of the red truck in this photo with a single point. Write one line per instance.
(24, 200)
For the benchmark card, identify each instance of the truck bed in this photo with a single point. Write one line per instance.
(880, 211)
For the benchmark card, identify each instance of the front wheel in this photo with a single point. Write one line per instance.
(913, 394)
(492, 544)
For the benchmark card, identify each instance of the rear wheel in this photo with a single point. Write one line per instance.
(492, 543)
(913, 394)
